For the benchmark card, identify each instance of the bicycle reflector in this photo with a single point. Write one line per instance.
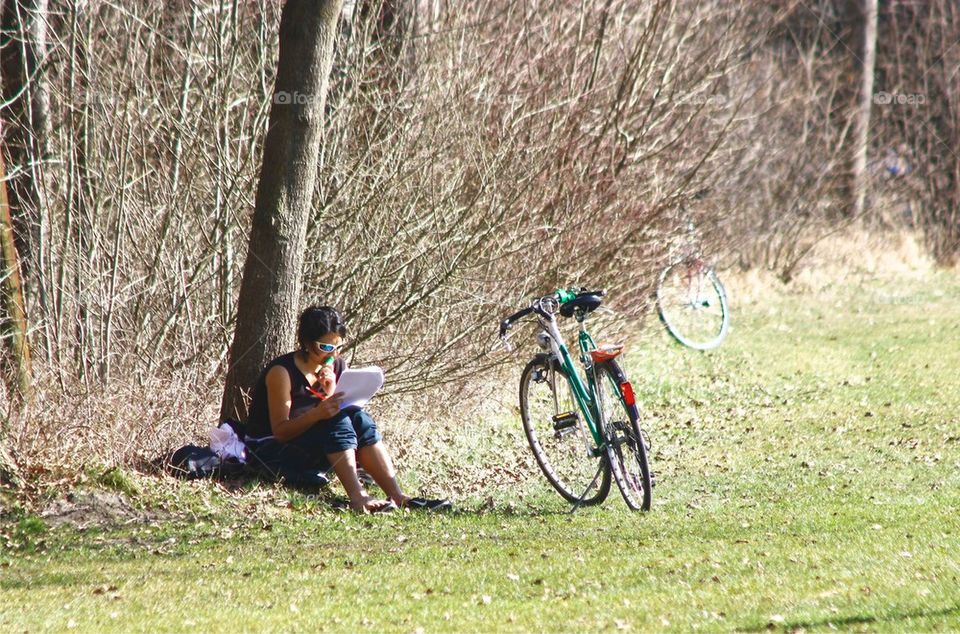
(627, 390)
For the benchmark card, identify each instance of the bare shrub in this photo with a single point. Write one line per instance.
(535, 147)
(918, 120)
(160, 117)
(475, 156)
(782, 191)
(788, 185)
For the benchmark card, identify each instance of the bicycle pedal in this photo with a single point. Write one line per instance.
(565, 421)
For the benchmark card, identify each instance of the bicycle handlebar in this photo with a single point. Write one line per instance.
(508, 322)
(563, 296)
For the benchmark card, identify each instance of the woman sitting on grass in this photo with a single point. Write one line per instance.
(296, 424)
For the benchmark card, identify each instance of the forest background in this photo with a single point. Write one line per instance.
(474, 154)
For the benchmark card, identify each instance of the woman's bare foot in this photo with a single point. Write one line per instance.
(372, 505)
(401, 500)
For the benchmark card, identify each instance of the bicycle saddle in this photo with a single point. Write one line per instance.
(586, 302)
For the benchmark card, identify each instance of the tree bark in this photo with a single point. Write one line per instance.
(861, 137)
(269, 299)
(16, 367)
(15, 364)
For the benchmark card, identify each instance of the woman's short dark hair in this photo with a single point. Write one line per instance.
(317, 321)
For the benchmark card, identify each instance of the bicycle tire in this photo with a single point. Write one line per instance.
(626, 448)
(695, 313)
(562, 455)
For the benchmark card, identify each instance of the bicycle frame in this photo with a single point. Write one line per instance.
(619, 444)
(586, 395)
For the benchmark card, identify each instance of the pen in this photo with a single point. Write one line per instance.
(320, 396)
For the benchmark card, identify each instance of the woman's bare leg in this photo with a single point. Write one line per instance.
(376, 461)
(345, 465)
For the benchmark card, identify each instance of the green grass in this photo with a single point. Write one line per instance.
(808, 479)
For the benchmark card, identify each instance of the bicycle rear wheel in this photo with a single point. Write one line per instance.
(562, 449)
(692, 304)
(626, 448)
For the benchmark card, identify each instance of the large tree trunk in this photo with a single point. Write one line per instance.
(270, 289)
(15, 365)
(861, 135)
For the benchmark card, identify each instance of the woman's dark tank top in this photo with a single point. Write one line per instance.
(301, 399)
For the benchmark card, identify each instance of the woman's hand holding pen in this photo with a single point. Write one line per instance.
(328, 408)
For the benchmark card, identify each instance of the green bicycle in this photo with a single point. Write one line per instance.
(582, 429)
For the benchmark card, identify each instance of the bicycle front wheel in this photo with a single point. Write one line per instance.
(626, 446)
(692, 304)
(563, 448)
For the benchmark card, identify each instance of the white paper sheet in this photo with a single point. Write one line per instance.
(358, 385)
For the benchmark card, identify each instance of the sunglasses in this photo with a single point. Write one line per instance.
(328, 347)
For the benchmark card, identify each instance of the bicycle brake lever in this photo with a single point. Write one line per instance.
(506, 344)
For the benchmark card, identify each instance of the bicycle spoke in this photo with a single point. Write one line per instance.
(561, 444)
(625, 446)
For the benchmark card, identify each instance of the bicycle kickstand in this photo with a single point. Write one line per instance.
(583, 495)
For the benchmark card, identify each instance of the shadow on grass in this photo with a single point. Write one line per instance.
(469, 508)
(852, 620)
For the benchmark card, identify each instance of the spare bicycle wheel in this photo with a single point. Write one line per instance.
(692, 304)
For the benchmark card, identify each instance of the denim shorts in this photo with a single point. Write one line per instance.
(351, 428)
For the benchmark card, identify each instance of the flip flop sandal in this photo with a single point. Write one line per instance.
(424, 504)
